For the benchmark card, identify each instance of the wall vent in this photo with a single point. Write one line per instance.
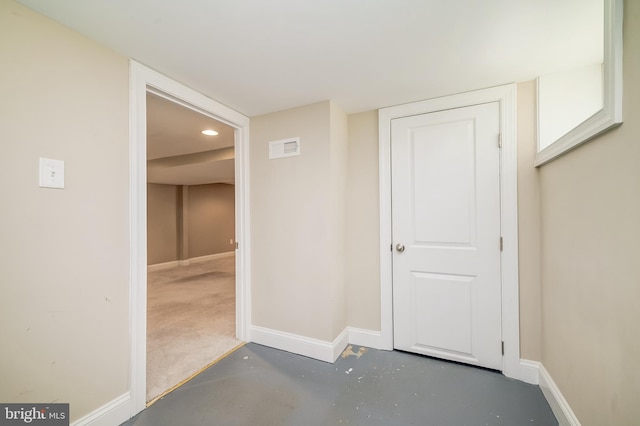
(284, 148)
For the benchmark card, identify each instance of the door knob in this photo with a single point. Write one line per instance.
(400, 248)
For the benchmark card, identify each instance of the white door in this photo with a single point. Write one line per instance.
(446, 234)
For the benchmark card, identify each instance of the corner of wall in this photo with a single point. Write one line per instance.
(313, 348)
(533, 372)
(556, 400)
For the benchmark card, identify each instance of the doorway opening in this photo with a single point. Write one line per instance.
(190, 243)
(143, 82)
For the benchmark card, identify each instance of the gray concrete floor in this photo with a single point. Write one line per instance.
(257, 385)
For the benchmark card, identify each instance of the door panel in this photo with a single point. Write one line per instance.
(446, 214)
(453, 293)
(449, 212)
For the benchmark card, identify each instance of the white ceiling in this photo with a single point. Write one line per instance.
(173, 129)
(178, 153)
(261, 56)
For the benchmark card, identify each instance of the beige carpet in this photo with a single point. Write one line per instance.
(190, 320)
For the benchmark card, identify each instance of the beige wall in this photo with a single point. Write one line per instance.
(295, 223)
(64, 307)
(200, 217)
(211, 211)
(590, 262)
(529, 245)
(363, 219)
(339, 136)
(162, 220)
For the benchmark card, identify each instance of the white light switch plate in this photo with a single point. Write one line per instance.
(51, 173)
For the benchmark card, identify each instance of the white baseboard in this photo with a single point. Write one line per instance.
(161, 266)
(533, 372)
(112, 413)
(212, 256)
(368, 338)
(313, 348)
(187, 262)
(529, 372)
(340, 343)
(559, 405)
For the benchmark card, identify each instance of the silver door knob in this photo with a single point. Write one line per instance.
(400, 248)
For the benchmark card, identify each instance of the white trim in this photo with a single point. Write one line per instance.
(533, 372)
(112, 413)
(187, 262)
(212, 257)
(368, 338)
(340, 343)
(143, 79)
(558, 404)
(506, 96)
(161, 266)
(529, 372)
(313, 348)
(610, 115)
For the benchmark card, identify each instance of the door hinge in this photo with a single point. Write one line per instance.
(501, 244)
(502, 347)
(237, 245)
(390, 247)
(499, 140)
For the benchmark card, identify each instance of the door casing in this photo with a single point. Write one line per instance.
(143, 80)
(506, 96)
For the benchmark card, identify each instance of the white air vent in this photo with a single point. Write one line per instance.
(284, 148)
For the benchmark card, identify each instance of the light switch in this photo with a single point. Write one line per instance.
(51, 173)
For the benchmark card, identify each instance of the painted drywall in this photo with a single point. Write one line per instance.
(162, 233)
(363, 222)
(566, 99)
(211, 215)
(64, 308)
(590, 269)
(295, 224)
(529, 245)
(339, 151)
(201, 218)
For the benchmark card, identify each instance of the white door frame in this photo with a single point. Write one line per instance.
(506, 96)
(142, 80)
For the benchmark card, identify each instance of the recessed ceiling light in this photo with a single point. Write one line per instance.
(209, 132)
